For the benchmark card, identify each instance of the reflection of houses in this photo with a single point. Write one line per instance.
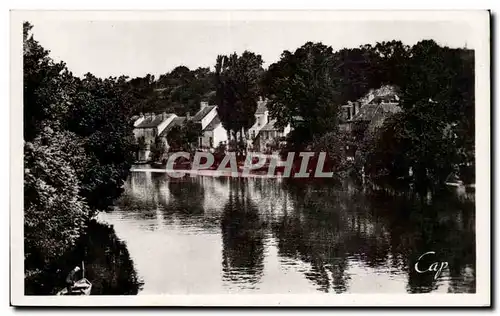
(147, 127)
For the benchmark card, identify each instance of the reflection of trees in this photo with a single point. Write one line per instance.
(313, 236)
(416, 226)
(242, 237)
(140, 198)
(187, 196)
(108, 265)
(440, 227)
(156, 196)
(329, 227)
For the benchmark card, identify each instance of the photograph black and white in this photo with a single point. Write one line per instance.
(269, 153)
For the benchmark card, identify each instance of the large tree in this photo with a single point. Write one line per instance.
(78, 151)
(303, 90)
(434, 135)
(100, 115)
(237, 90)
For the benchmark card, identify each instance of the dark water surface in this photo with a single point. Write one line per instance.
(211, 235)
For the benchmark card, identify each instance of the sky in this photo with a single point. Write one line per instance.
(136, 48)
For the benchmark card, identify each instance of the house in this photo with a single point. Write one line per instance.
(205, 115)
(268, 135)
(373, 114)
(212, 131)
(213, 134)
(147, 127)
(371, 109)
(176, 121)
(347, 112)
(261, 119)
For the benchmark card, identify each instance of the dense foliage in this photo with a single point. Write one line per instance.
(432, 137)
(184, 137)
(237, 90)
(179, 91)
(78, 150)
(79, 143)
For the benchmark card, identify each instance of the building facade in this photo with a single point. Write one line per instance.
(146, 128)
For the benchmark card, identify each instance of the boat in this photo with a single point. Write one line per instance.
(81, 287)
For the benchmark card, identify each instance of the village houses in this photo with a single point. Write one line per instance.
(264, 132)
(357, 116)
(149, 126)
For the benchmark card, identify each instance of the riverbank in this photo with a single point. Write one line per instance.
(108, 265)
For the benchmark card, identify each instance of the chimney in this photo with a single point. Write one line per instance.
(164, 115)
(188, 117)
(203, 104)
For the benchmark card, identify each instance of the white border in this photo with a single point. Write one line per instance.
(479, 20)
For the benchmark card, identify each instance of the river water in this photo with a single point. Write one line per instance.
(217, 235)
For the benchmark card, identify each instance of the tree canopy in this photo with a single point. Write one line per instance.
(237, 89)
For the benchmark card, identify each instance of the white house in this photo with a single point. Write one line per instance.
(268, 134)
(264, 132)
(212, 131)
(261, 119)
(147, 127)
(213, 134)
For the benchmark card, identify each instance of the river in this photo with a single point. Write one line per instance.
(217, 235)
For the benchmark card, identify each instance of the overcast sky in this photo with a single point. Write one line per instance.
(136, 48)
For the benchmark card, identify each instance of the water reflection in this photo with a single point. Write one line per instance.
(242, 237)
(219, 235)
(107, 265)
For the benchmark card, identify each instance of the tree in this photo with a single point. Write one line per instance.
(433, 136)
(46, 86)
(54, 212)
(184, 137)
(237, 90)
(78, 151)
(157, 149)
(179, 91)
(303, 84)
(100, 115)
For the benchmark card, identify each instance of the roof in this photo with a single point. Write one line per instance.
(202, 113)
(151, 122)
(370, 111)
(270, 126)
(177, 121)
(213, 124)
(261, 107)
(383, 91)
(384, 98)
